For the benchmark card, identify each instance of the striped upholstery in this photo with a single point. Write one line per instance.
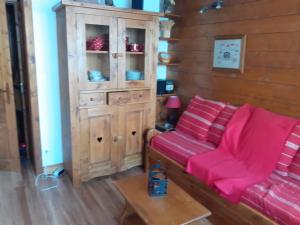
(294, 169)
(289, 151)
(278, 197)
(217, 128)
(180, 146)
(198, 117)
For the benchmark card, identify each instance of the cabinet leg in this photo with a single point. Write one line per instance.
(126, 213)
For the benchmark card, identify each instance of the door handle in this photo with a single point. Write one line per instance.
(7, 92)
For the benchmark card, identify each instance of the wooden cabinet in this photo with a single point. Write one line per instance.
(108, 59)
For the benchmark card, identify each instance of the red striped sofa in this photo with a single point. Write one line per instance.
(200, 130)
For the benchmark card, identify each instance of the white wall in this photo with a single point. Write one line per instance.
(44, 23)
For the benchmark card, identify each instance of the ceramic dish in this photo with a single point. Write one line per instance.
(133, 75)
(164, 57)
(95, 76)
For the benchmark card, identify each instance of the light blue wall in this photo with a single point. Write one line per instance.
(44, 22)
(153, 5)
(123, 3)
(162, 47)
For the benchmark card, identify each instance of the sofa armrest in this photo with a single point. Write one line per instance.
(151, 133)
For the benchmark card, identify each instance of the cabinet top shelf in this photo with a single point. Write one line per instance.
(135, 53)
(65, 3)
(105, 52)
(96, 52)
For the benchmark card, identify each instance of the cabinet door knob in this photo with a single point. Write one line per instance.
(117, 138)
(116, 55)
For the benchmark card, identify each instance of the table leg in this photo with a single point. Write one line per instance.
(126, 213)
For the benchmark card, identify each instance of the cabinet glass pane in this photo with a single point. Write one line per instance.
(97, 53)
(135, 54)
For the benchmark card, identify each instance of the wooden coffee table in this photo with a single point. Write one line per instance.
(177, 208)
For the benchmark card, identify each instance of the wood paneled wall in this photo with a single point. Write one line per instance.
(272, 64)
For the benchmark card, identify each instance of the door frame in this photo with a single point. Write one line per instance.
(27, 33)
(11, 161)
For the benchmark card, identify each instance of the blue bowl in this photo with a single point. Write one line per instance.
(133, 75)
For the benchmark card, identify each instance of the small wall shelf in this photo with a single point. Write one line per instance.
(169, 39)
(172, 16)
(168, 64)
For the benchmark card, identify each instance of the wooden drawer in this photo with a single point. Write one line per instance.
(92, 99)
(128, 97)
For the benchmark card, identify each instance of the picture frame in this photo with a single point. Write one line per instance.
(229, 52)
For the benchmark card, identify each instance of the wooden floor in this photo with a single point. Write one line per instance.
(96, 202)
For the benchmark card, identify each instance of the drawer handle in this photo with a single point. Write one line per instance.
(92, 99)
(133, 133)
(99, 139)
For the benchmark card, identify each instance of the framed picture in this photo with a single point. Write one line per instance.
(229, 52)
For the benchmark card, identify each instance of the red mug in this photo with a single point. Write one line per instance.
(141, 48)
(135, 47)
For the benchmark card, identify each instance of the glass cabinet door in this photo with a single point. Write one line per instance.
(97, 41)
(134, 51)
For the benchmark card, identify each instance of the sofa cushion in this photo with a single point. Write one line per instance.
(198, 117)
(180, 146)
(289, 151)
(217, 128)
(278, 197)
(294, 169)
(254, 195)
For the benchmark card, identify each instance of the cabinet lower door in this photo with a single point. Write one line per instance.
(133, 124)
(99, 148)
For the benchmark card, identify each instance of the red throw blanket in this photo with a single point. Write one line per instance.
(249, 150)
